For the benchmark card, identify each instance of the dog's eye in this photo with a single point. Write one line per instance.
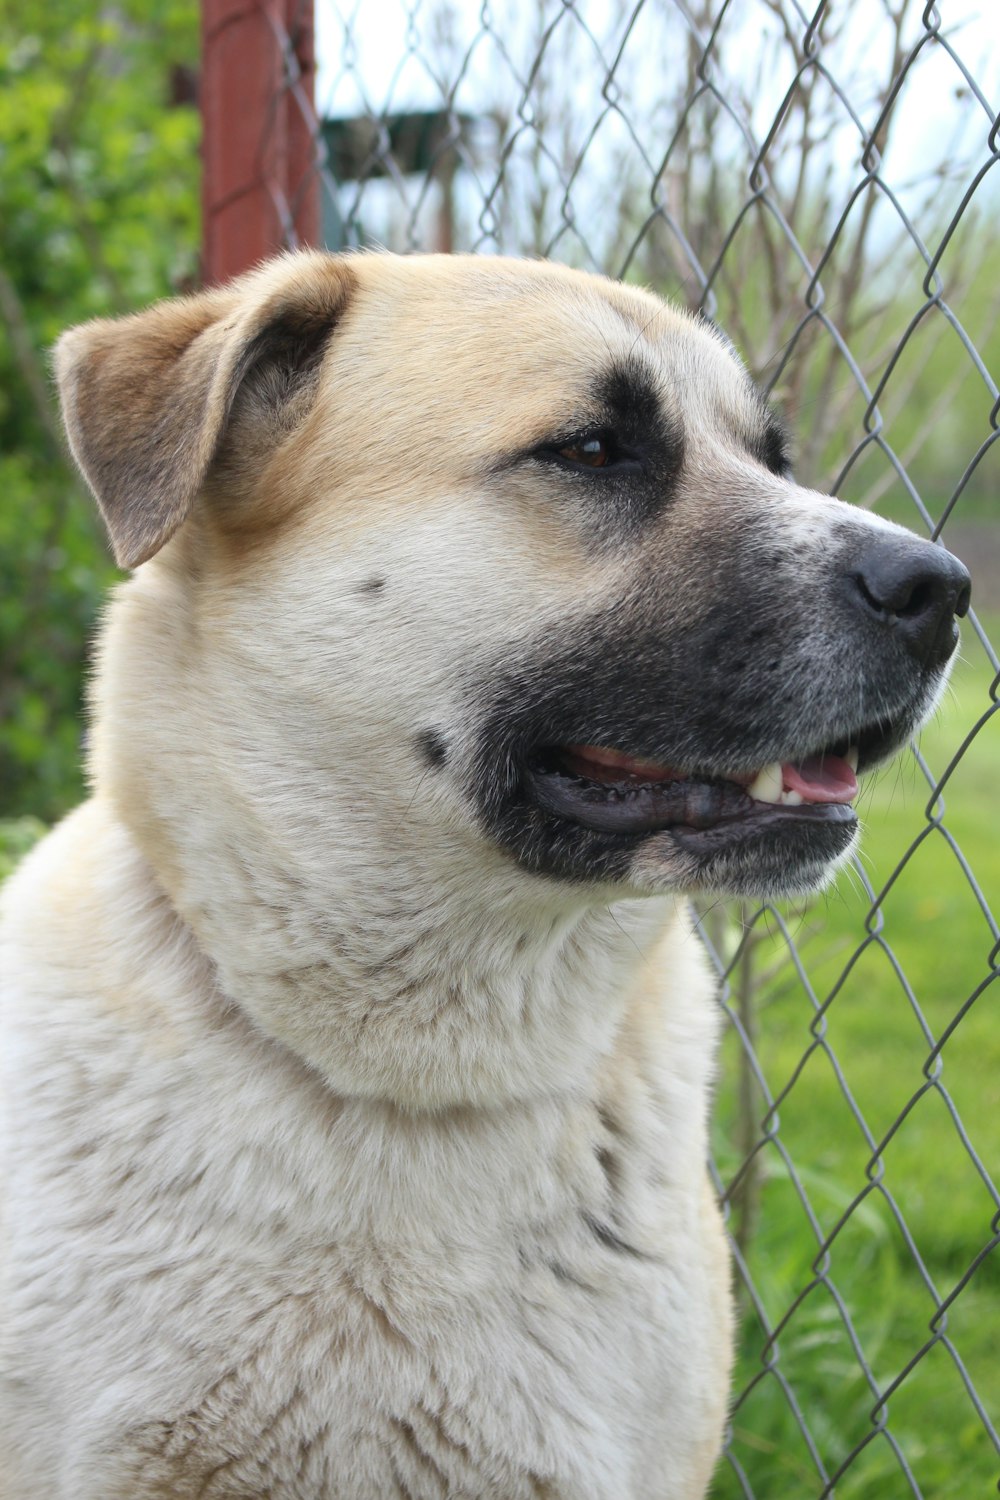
(592, 452)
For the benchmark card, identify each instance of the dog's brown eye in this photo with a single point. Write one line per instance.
(594, 452)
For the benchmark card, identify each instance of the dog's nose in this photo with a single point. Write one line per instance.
(916, 590)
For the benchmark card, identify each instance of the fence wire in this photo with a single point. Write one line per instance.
(821, 182)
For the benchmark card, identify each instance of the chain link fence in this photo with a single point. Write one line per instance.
(821, 182)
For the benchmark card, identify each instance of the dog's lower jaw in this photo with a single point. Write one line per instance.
(741, 872)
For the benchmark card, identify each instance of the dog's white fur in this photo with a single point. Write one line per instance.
(293, 1282)
(317, 1100)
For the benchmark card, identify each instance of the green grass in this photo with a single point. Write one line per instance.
(928, 946)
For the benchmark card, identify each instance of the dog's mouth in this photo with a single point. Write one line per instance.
(609, 791)
(747, 807)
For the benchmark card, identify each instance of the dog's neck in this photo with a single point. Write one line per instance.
(476, 988)
(353, 915)
(470, 987)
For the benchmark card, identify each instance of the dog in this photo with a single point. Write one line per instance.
(358, 1041)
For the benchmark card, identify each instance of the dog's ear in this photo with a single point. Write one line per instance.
(147, 399)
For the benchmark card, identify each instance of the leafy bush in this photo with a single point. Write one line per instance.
(99, 206)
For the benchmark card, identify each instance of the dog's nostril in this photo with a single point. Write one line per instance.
(922, 597)
(917, 589)
(873, 602)
(901, 595)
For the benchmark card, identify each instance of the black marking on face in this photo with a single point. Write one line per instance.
(767, 442)
(771, 446)
(633, 402)
(747, 658)
(373, 585)
(432, 747)
(763, 434)
(642, 453)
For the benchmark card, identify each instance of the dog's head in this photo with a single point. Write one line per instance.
(464, 554)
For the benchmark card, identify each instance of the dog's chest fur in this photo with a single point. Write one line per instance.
(332, 1383)
(336, 1297)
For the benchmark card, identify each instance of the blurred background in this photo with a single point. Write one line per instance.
(820, 180)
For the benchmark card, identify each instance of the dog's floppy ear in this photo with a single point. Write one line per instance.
(146, 399)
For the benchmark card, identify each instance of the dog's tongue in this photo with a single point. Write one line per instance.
(821, 778)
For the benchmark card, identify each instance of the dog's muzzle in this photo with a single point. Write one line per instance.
(719, 733)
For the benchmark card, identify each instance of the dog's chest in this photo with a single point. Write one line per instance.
(448, 1319)
(535, 1332)
(226, 1281)
(528, 1378)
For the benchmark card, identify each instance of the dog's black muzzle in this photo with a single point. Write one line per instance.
(754, 649)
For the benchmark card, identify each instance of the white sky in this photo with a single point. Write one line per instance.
(390, 55)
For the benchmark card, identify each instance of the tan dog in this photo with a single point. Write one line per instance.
(358, 1044)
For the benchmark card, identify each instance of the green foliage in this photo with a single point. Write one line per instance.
(98, 215)
(17, 835)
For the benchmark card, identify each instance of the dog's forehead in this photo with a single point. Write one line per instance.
(499, 353)
(538, 331)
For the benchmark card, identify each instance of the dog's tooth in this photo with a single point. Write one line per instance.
(767, 786)
(852, 757)
(791, 799)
